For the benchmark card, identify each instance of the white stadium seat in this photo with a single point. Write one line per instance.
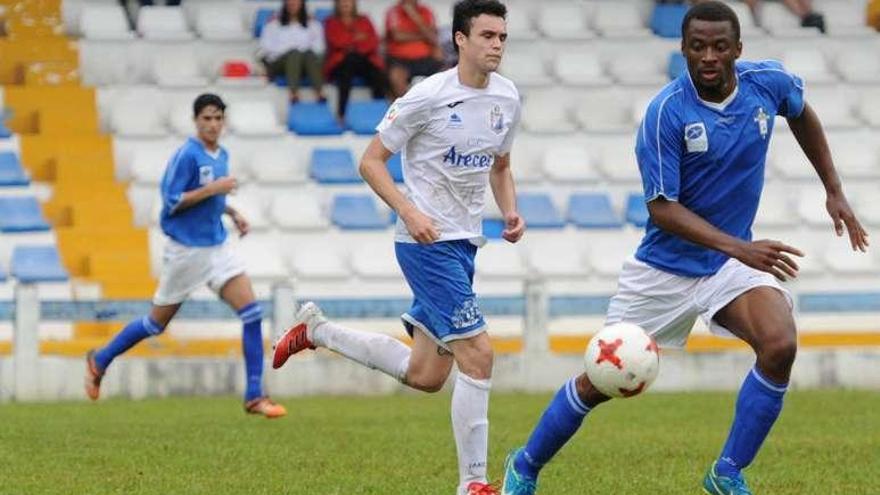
(178, 68)
(253, 118)
(569, 163)
(774, 210)
(557, 258)
(845, 18)
(809, 64)
(316, 260)
(840, 257)
(546, 112)
(856, 154)
(220, 21)
(869, 106)
(781, 23)
(564, 21)
(526, 159)
(500, 260)
(859, 64)
(163, 24)
(617, 160)
(104, 22)
(251, 203)
(604, 110)
(526, 68)
(374, 259)
(580, 68)
(748, 28)
(637, 67)
(262, 257)
(298, 209)
(520, 24)
(150, 160)
(608, 251)
(834, 106)
(787, 158)
(811, 208)
(275, 165)
(138, 114)
(619, 19)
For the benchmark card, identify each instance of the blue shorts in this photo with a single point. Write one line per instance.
(441, 276)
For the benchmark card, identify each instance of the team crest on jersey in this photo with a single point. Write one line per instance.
(496, 120)
(695, 138)
(761, 118)
(455, 122)
(391, 114)
(206, 174)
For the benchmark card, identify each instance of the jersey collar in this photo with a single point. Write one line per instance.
(718, 107)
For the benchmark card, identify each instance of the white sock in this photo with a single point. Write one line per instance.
(470, 425)
(373, 350)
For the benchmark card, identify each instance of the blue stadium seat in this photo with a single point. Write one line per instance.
(312, 119)
(4, 132)
(37, 264)
(395, 168)
(357, 212)
(2, 274)
(21, 214)
(11, 173)
(539, 212)
(636, 210)
(492, 228)
(677, 65)
(334, 166)
(322, 13)
(592, 211)
(362, 117)
(261, 19)
(666, 19)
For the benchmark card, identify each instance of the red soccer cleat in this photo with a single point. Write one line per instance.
(477, 488)
(298, 337)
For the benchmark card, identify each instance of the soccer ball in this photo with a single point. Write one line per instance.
(622, 360)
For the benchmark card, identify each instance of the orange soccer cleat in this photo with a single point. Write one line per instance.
(265, 406)
(93, 376)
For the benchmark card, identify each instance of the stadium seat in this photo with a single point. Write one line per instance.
(105, 22)
(546, 112)
(845, 18)
(357, 212)
(869, 106)
(362, 117)
(526, 67)
(569, 164)
(666, 19)
(277, 165)
(313, 119)
(163, 24)
(3, 275)
(251, 203)
(298, 209)
(677, 65)
(808, 63)
(253, 118)
(34, 264)
(834, 106)
(316, 260)
(842, 260)
(858, 64)
(774, 210)
(261, 18)
(592, 211)
(749, 29)
(262, 257)
(527, 158)
(636, 210)
(21, 214)
(555, 258)
(500, 260)
(580, 68)
(178, 68)
(520, 25)
(856, 154)
(334, 166)
(617, 159)
(811, 208)
(538, 211)
(608, 252)
(604, 110)
(636, 67)
(11, 173)
(564, 21)
(781, 23)
(395, 168)
(619, 20)
(375, 259)
(787, 158)
(136, 116)
(221, 21)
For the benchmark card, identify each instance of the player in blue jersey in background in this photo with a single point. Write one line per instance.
(701, 149)
(194, 190)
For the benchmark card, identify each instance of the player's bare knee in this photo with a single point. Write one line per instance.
(779, 353)
(426, 382)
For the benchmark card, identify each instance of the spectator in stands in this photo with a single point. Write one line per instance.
(352, 50)
(412, 44)
(801, 8)
(292, 44)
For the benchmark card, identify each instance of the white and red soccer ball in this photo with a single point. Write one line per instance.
(622, 360)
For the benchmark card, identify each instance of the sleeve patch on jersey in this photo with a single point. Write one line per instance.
(695, 138)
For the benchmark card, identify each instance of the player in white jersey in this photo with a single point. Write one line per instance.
(455, 131)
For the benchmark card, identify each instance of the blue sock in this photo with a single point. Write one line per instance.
(252, 347)
(757, 407)
(560, 421)
(136, 331)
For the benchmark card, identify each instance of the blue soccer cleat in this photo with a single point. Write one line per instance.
(514, 482)
(714, 484)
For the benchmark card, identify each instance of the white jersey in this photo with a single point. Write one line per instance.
(449, 135)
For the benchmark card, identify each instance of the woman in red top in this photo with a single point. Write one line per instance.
(352, 50)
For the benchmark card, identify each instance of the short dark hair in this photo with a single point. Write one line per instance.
(465, 11)
(207, 100)
(711, 10)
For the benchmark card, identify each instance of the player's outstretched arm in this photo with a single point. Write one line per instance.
(223, 185)
(765, 255)
(504, 191)
(807, 129)
(374, 170)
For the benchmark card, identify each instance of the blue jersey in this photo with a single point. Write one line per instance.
(190, 168)
(710, 157)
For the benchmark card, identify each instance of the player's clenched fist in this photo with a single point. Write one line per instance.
(771, 257)
(419, 226)
(225, 185)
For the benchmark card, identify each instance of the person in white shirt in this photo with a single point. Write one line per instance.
(455, 130)
(292, 45)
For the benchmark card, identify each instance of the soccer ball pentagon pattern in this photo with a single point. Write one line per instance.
(622, 360)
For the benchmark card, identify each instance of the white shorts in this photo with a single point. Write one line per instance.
(667, 305)
(185, 269)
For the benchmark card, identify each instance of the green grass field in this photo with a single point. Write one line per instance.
(826, 442)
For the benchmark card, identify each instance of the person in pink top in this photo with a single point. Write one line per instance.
(352, 50)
